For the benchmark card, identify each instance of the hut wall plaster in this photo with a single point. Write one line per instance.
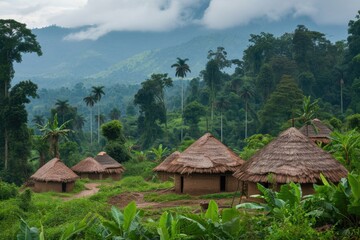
(204, 183)
(94, 176)
(164, 176)
(52, 186)
(114, 176)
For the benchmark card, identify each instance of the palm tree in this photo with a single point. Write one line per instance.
(52, 132)
(101, 118)
(98, 93)
(246, 93)
(38, 119)
(308, 113)
(90, 101)
(62, 107)
(115, 114)
(222, 103)
(181, 68)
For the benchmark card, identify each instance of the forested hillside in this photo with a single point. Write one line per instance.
(233, 98)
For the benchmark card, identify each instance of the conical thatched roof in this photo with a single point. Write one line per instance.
(88, 165)
(110, 164)
(162, 167)
(206, 155)
(322, 134)
(54, 171)
(291, 157)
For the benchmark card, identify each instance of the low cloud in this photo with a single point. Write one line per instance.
(105, 16)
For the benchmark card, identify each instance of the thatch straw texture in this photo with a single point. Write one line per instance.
(110, 164)
(88, 165)
(162, 167)
(291, 157)
(322, 134)
(206, 155)
(54, 171)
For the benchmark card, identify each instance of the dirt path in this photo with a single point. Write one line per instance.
(123, 199)
(91, 189)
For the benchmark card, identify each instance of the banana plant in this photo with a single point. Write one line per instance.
(124, 225)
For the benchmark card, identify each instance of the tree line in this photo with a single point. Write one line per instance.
(263, 92)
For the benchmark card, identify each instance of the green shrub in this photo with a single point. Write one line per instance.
(7, 190)
(143, 169)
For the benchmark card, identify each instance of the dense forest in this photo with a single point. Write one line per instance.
(261, 93)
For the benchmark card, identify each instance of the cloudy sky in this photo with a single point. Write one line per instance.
(163, 15)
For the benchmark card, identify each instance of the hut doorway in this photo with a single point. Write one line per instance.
(222, 183)
(181, 184)
(63, 187)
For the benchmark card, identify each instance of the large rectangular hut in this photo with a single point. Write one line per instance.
(204, 167)
(291, 157)
(54, 176)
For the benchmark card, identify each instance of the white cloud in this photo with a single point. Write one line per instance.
(229, 13)
(161, 15)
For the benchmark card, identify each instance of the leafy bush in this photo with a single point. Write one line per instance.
(143, 169)
(25, 199)
(7, 190)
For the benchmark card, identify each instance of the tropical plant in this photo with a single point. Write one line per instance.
(15, 40)
(345, 146)
(159, 152)
(181, 68)
(52, 132)
(308, 113)
(246, 93)
(62, 107)
(90, 101)
(124, 225)
(98, 92)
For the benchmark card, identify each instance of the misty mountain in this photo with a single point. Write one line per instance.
(131, 57)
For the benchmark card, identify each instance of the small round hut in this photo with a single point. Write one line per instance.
(54, 176)
(89, 168)
(204, 167)
(161, 169)
(112, 168)
(318, 132)
(291, 157)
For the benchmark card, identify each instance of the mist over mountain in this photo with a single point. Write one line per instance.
(131, 57)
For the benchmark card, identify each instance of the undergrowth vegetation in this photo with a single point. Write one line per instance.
(332, 212)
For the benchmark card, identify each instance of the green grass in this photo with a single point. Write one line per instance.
(220, 195)
(155, 197)
(128, 184)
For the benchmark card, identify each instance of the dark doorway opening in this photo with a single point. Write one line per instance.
(63, 187)
(222, 183)
(181, 184)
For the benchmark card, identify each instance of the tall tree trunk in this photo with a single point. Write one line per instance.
(246, 119)
(98, 140)
(91, 129)
(6, 137)
(182, 109)
(221, 126)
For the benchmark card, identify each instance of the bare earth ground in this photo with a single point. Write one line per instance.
(91, 189)
(124, 199)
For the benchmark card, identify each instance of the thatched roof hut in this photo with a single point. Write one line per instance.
(206, 155)
(53, 176)
(89, 168)
(161, 169)
(112, 168)
(292, 157)
(321, 134)
(204, 167)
